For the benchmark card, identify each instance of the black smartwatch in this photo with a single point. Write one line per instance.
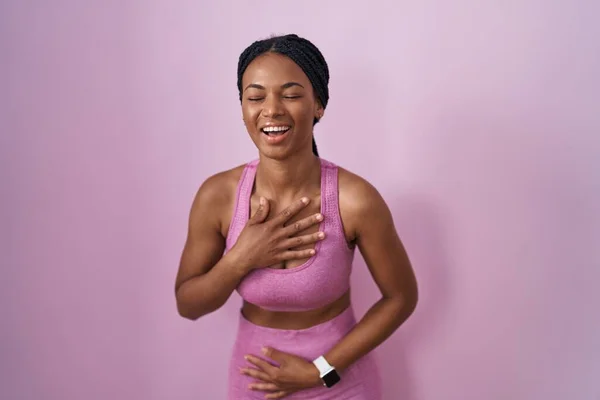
(327, 373)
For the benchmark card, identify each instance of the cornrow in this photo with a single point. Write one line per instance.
(302, 52)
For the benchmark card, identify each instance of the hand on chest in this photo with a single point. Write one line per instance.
(276, 207)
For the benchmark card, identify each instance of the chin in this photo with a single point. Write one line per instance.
(276, 154)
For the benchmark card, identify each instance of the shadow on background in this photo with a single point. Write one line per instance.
(419, 225)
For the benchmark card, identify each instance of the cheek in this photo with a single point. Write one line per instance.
(304, 114)
(250, 115)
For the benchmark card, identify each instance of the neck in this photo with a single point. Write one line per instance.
(289, 178)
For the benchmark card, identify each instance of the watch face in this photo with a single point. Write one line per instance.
(331, 379)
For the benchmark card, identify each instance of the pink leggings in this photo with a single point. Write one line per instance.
(359, 382)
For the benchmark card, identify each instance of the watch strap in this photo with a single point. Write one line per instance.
(323, 366)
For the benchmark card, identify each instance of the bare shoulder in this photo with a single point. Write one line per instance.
(359, 202)
(355, 190)
(215, 197)
(205, 239)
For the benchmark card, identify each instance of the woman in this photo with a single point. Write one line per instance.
(282, 231)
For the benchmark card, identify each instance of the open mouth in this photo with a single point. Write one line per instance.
(275, 130)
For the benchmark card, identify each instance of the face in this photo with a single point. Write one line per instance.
(279, 106)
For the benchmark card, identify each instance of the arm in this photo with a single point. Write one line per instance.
(386, 258)
(366, 216)
(206, 278)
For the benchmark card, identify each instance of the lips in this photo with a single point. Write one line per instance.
(275, 134)
(275, 130)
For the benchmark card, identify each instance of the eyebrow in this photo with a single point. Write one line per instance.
(284, 86)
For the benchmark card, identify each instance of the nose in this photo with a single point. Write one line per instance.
(272, 107)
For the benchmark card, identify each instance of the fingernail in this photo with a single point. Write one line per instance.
(264, 350)
(305, 200)
(319, 217)
(246, 358)
(321, 235)
(312, 252)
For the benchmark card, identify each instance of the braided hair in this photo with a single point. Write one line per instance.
(302, 52)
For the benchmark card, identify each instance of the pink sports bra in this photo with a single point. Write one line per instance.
(322, 279)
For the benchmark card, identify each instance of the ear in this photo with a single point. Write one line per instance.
(319, 110)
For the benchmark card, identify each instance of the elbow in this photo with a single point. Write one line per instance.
(188, 309)
(193, 310)
(409, 302)
(404, 304)
(408, 298)
(187, 312)
(410, 305)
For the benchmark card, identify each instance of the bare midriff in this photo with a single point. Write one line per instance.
(297, 319)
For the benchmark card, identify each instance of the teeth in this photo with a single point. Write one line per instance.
(274, 129)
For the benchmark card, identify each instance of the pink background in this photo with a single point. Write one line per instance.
(479, 122)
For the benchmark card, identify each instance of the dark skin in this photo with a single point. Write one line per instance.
(283, 231)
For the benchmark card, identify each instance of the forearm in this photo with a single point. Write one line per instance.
(206, 293)
(373, 329)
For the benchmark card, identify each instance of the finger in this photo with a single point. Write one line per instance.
(298, 241)
(256, 374)
(261, 213)
(301, 225)
(290, 211)
(295, 254)
(266, 387)
(276, 355)
(278, 395)
(261, 364)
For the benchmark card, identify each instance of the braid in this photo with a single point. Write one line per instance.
(302, 52)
